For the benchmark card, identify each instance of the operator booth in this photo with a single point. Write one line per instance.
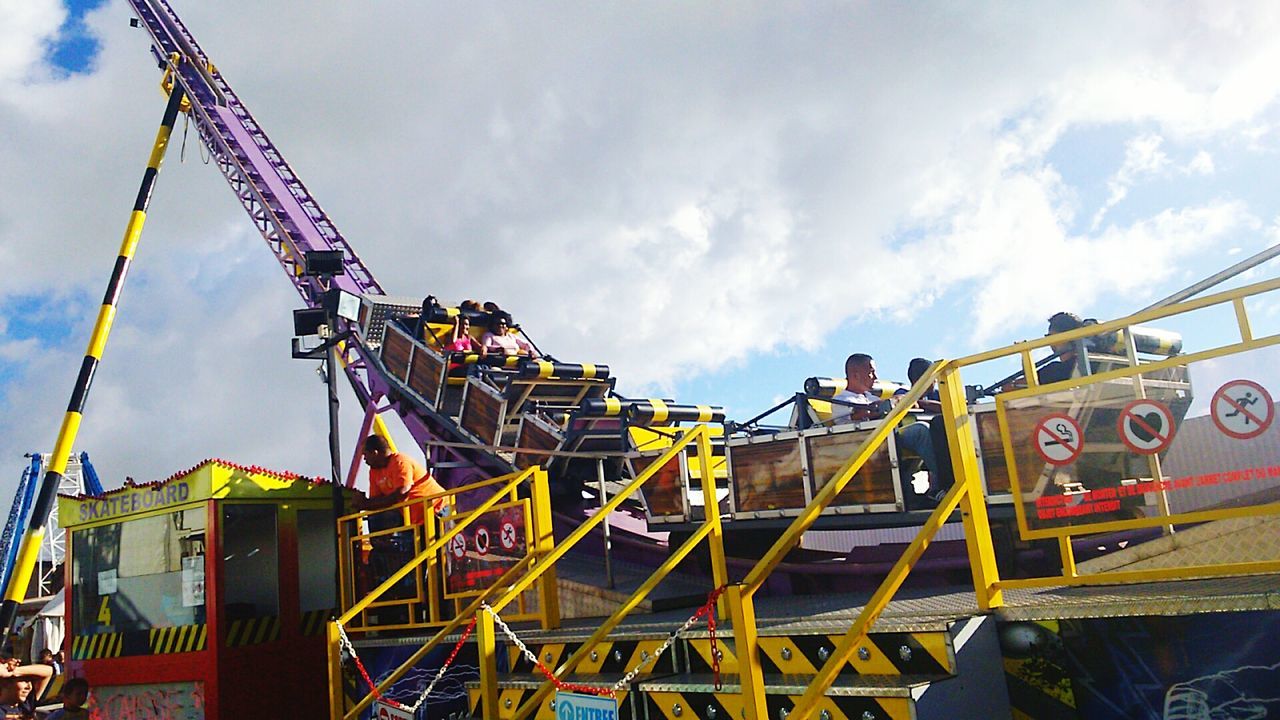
(199, 595)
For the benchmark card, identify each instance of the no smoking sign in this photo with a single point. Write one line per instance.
(458, 545)
(1242, 409)
(1058, 439)
(1146, 426)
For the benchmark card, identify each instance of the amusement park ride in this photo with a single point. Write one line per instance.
(214, 590)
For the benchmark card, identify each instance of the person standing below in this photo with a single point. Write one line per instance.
(75, 693)
(396, 478)
(864, 404)
(21, 687)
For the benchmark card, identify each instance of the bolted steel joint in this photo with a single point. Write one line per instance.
(823, 653)
(786, 653)
(864, 653)
(904, 652)
(677, 710)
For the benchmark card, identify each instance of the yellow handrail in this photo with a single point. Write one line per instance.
(485, 625)
(461, 619)
(600, 515)
(434, 546)
(966, 494)
(809, 515)
(710, 529)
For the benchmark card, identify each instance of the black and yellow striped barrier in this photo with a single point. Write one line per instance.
(185, 638)
(601, 407)
(651, 411)
(925, 653)
(609, 658)
(253, 631)
(506, 362)
(29, 551)
(1148, 341)
(313, 621)
(696, 703)
(655, 412)
(93, 647)
(545, 370)
(824, 387)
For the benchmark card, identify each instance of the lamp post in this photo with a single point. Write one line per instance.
(324, 265)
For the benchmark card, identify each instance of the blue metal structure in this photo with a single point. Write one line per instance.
(19, 514)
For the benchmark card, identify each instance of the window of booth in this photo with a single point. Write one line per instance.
(317, 560)
(139, 574)
(250, 561)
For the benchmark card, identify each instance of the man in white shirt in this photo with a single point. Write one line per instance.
(864, 404)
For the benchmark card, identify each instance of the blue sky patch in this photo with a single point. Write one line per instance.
(75, 48)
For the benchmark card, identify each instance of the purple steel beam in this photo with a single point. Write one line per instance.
(244, 149)
(288, 216)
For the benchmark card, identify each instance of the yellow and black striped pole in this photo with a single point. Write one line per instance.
(29, 551)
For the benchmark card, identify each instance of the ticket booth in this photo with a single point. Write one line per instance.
(204, 595)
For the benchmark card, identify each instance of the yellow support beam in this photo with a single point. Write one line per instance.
(964, 465)
(857, 634)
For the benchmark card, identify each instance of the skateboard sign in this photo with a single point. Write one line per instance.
(1146, 426)
(482, 541)
(1058, 439)
(1242, 409)
(458, 545)
(507, 536)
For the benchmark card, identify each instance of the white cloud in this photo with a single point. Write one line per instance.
(669, 188)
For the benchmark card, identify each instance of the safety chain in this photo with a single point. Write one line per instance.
(440, 673)
(524, 649)
(708, 610)
(351, 651)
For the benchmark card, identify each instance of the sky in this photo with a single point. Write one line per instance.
(717, 200)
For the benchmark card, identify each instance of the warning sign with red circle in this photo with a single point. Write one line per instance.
(1146, 426)
(1058, 439)
(458, 545)
(507, 536)
(1242, 409)
(482, 541)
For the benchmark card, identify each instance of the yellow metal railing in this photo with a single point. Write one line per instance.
(967, 494)
(710, 530)
(507, 486)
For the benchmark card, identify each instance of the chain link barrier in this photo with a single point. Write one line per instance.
(708, 610)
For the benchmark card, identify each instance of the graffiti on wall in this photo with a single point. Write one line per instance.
(154, 701)
(1216, 666)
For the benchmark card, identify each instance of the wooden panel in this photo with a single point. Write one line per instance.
(482, 411)
(425, 375)
(395, 352)
(767, 476)
(662, 492)
(537, 436)
(874, 483)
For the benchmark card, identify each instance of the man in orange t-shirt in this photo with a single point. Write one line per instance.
(395, 478)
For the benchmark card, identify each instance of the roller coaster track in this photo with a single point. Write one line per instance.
(287, 215)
